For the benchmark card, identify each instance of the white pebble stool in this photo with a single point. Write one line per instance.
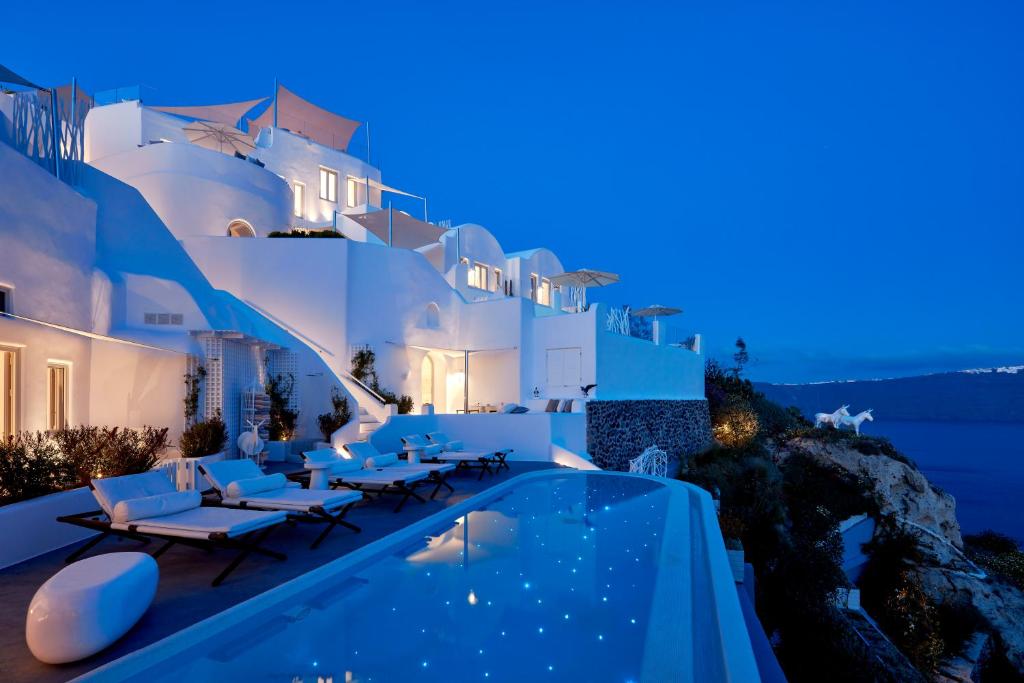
(88, 605)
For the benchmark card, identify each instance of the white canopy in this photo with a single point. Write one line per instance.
(305, 118)
(229, 113)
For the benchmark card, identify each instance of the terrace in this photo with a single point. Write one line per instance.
(185, 597)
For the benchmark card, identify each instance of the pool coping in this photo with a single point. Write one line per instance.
(738, 662)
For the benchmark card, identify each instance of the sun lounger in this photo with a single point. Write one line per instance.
(146, 506)
(241, 483)
(490, 462)
(381, 481)
(368, 454)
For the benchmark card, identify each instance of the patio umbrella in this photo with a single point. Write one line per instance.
(654, 311)
(657, 310)
(219, 136)
(580, 280)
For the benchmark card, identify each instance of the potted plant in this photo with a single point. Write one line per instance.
(202, 442)
(331, 422)
(281, 428)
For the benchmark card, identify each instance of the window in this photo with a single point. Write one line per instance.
(534, 282)
(351, 192)
(299, 195)
(497, 280)
(544, 294)
(478, 276)
(328, 184)
(5, 299)
(57, 396)
(240, 228)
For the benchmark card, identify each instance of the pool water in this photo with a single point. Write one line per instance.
(552, 581)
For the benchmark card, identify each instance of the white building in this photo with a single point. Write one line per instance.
(142, 259)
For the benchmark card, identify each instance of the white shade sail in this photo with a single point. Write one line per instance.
(406, 232)
(229, 113)
(307, 119)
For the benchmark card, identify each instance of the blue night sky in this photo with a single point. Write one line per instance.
(840, 183)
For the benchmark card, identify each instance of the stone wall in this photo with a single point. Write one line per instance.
(618, 431)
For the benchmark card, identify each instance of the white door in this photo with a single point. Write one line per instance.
(564, 369)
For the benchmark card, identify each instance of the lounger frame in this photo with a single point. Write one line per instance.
(246, 544)
(315, 514)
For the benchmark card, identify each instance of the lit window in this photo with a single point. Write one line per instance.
(352, 192)
(57, 393)
(497, 280)
(328, 184)
(478, 276)
(299, 195)
(544, 293)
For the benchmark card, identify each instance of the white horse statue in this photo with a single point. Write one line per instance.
(831, 418)
(856, 420)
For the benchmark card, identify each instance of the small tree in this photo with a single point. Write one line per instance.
(741, 357)
(204, 438)
(282, 418)
(338, 417)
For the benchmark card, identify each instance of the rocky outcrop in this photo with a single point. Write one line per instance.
(946, 574)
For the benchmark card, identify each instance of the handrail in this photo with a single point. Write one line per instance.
(371, 392)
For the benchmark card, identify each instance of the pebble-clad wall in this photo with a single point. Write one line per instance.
(618, 431)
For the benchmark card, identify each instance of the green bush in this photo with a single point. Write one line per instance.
(35, 464)
(998, 554)
(338, 417)
(204, 438)
(991, 542)
(329, 234)
(31, 465)
(364, 369)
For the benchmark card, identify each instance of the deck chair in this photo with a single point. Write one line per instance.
(242, 484)
(368, 454)
(147, 506)
(380, 481)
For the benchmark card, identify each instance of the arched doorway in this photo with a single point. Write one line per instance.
(239, 228)
(427, 381)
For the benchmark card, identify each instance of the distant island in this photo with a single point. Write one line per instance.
(981, 395)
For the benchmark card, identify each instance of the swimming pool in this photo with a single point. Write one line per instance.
(561, 576)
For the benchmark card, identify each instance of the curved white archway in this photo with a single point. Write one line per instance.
(240, 228)
(427, 381)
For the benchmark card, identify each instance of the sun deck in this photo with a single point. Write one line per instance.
(184, 595)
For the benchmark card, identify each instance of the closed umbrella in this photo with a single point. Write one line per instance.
(219, 136)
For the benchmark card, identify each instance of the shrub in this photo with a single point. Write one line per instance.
(364, 369)
(338, 417)
(204, 438)
(31, 465)
(991, 542)
(110, 451)
(330, 234)
(282, 418)
(997, 554)
(193, 383)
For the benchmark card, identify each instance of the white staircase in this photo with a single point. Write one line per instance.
(368, 424)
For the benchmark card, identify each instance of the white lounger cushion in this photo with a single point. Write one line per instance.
(223, 472)
(160, 505)
(202, 521)
(247, 487)
(112, 490)
(418, 443)
(298, 499)
(381, 460)
(343, 466)
(441, 439)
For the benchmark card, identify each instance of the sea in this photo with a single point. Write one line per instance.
(980, 463)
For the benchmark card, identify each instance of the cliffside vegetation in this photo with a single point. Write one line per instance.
(784, 505)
